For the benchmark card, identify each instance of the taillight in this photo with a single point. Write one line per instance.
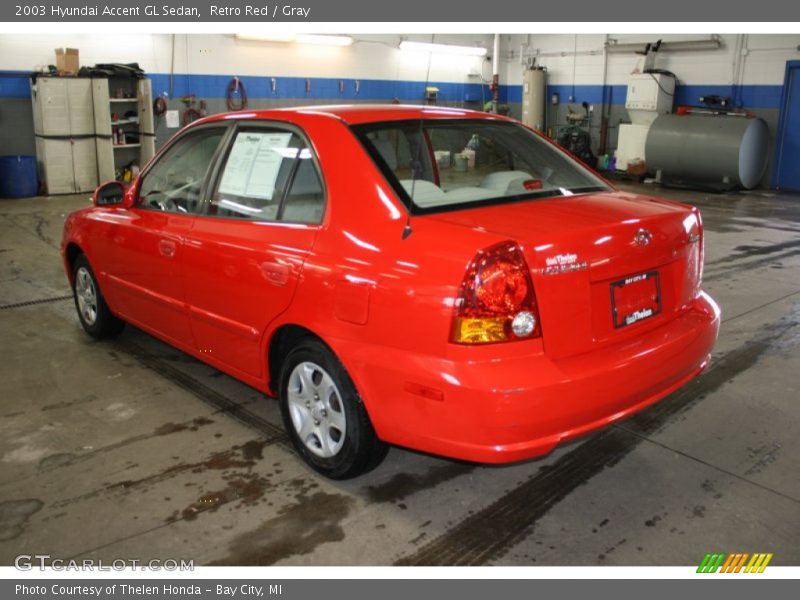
(696, 251)
(702, 254)
(496, 302)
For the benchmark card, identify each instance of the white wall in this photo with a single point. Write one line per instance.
(377, 57)
(31, 52)
(764, 59)
(370, 57)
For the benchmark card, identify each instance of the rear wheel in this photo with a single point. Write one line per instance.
(324, 416)
(93, 312)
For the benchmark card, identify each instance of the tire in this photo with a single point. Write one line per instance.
(324, 415)
(93, 312)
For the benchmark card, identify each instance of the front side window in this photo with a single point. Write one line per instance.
(437, 165)
(175, 182)
(269, 175)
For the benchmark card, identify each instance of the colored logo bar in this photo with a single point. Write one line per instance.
(740, 562)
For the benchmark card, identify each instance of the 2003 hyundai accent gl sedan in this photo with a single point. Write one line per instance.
(444, 280)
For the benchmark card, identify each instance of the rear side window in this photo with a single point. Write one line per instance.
(269, 175)
(305, 202)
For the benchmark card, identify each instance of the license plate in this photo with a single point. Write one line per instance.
(635, 299)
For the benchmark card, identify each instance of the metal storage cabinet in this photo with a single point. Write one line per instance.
(64, 124)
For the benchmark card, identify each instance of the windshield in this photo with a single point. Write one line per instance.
(436, 165)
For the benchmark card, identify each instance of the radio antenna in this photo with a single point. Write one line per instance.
(407, 230)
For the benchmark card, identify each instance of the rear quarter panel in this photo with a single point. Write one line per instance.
(363, 284)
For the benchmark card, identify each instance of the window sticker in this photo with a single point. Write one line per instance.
(253, 164)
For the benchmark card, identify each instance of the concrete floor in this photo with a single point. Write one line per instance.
(130, 449)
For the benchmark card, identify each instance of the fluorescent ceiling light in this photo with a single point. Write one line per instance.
(266, 37)
(300, 38)
(442, 48)
(324, 40)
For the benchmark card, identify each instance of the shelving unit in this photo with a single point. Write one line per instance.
(137, 97)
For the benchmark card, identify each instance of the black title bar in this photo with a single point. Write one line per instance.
(461, 11)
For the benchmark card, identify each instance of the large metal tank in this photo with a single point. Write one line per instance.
(712, 150)
(534, 84)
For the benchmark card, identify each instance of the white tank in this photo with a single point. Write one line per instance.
(534, 88)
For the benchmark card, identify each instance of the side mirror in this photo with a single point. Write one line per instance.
(111, 193)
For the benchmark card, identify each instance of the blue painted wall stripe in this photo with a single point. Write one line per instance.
(747, 96)
(14, 84)
(215, 86)
(592, 94)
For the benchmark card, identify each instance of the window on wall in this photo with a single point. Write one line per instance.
(269, 175)
(175, 182)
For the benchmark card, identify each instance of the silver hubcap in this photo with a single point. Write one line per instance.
(87, 296)
(316, 408)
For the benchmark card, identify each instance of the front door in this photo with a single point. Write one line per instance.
(145, 245)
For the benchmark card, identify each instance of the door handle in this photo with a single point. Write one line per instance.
(276, 273)
(167, 248)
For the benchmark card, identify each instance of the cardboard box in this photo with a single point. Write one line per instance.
(67, 61)
(637, 167)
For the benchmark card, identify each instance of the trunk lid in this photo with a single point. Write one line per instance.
(605, 267)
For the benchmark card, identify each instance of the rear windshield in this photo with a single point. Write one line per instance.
(438, 165)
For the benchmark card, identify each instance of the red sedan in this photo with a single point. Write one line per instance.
(439, 279)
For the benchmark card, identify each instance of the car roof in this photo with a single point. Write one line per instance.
(354, 114)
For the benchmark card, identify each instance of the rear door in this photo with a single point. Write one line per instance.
(144, 246)
(244, 255)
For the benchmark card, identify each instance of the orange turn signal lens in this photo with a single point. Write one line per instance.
(479, 331)
(496, 302)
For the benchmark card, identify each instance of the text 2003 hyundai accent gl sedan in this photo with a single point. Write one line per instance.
(443, 280)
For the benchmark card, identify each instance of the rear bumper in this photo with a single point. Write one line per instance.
(493, 410)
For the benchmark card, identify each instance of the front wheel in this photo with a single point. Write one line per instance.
(324, 416)
(96, 318)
